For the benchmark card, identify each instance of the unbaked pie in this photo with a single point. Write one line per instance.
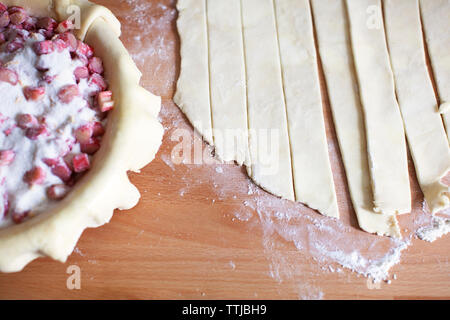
(73, 121)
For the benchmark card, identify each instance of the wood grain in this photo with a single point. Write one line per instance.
(183, 240)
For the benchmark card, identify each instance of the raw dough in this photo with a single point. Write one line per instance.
(423, 124)
(384, 127)
(132, 139)
(333, 38)
(313, 179)
(436, 25)
(227, 80)
(266, 105)
(192, 94)
(255, 84)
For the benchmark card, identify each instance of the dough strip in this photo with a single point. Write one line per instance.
(332, 29)
(386, 145)
(423, 124)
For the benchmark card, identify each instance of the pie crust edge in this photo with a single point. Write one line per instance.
(133, 137)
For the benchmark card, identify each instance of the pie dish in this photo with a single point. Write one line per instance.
(130, 140)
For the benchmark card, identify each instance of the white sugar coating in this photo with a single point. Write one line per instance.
(61, 119)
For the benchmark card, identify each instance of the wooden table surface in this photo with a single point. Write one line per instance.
(188, 238)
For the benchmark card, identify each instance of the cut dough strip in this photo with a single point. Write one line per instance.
(192, 94)
(313, 178)
(436, 24)
(269, 141)
(227, 78)
(423, 124)
(336, 54)
(384, 128)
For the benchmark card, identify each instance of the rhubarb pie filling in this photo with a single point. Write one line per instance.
(53, 112)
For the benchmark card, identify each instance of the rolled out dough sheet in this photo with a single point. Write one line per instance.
(330, 20)
(436, 25)
(386, 143)
(423, 124)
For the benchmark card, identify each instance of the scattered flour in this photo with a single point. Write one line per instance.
(438, 228)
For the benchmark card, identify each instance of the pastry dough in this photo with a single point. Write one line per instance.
(313, 179)
(257, 78)
(227, 74)
(192, 94)
(266, 105)
(436, 25)
(423, 124)
(132, 139)
(385, 135)
(333, 39)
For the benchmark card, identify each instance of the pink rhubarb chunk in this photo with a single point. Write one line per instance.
(81, 162)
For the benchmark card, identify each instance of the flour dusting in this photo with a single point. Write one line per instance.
(439, 227)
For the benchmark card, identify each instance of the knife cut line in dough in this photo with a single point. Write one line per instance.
(436, 25)
(332, 30)
(423, 124)
(386, 143)
(313, 178)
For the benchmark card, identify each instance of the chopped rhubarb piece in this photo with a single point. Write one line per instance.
(65, 26)
(60, 45)
(34, 93)
(105, 101)
(51, 162)
(44, 47)
(81, 73)
(81, 162)
(47, 23)
(96, 65)
(57, 191)
(19, 217)
(3, 7)
(59, 168)
(98, 129)
(48, 79)
(30, 24)
(6, 157)
(90, 147)
(8, 75)
(15, 45)
(25, 121)
(67, 93)
(4, 19)
(69, 39)
(84, 49)
(62, 171)
(84, 133)
(2, 38)
(35, 133)
(17, 15)
(35, 176)
(99, 81)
